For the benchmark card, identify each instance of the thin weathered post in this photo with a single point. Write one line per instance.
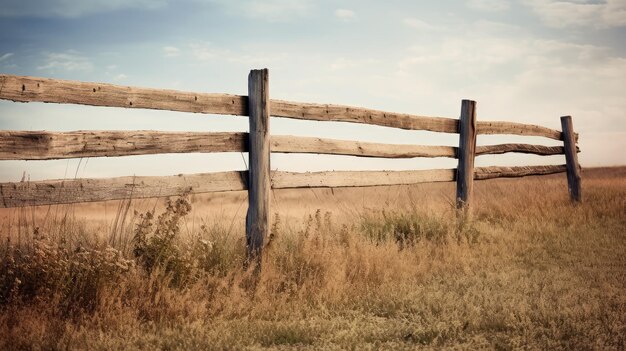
(257, 220)
(466, 153)
(571, 159)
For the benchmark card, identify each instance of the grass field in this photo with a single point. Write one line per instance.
(357, 269)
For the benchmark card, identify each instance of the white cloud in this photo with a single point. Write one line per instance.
(488, 5)
(559, 14)
(6, 56)
(208, 52)
(171, 51)
(499, 28)
(120, 77)
(615, 13)
(269, 10)
(67, 61)
(343, 63)
(276, 10)
(204, 51)
(258, 59)
(487, 44)
(419, 24)
(72, 8)
(345, 14)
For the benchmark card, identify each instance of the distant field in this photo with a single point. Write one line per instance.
(365, 268)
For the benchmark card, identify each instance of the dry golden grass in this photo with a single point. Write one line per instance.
(379, 268)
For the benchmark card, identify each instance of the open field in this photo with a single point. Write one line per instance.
(367, 268)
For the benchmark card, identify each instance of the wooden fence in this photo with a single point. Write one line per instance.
(42, 145)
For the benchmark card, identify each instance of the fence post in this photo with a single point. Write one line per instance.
(571, 159)
(257, 219)
(466, 153)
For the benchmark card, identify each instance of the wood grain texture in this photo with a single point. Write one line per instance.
(281, 180)
(521, 148)
(32, 89)
(499, 127)
(88, 190)
(481, 173)
(571, 159)
(292, 144)
(466, 154)
(43, 145)
(340, 113)
(258, 218)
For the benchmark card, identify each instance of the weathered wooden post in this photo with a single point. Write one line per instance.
(466, 153)
(571, 159)
(257, 219)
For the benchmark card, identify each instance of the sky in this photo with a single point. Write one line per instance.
(528, 61)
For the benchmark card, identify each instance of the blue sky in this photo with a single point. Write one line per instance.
(528, 61)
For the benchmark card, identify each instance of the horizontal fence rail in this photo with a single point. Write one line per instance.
(291, 144)
(339, 113)
(89, 190)
(338, 179)
(35, 193)
(513, 128)
(31, 89)
(514, 172)
(44, 145)
(520, 148)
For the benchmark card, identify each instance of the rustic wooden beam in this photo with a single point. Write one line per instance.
(292, 144)
(50, 192)
(499, 127)
(258, 218)
(467, 149)
(32, 89)
(571, 159)
(341, 113)
(482, 173)
(521, 148)
(43, 145)
(336, 179)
